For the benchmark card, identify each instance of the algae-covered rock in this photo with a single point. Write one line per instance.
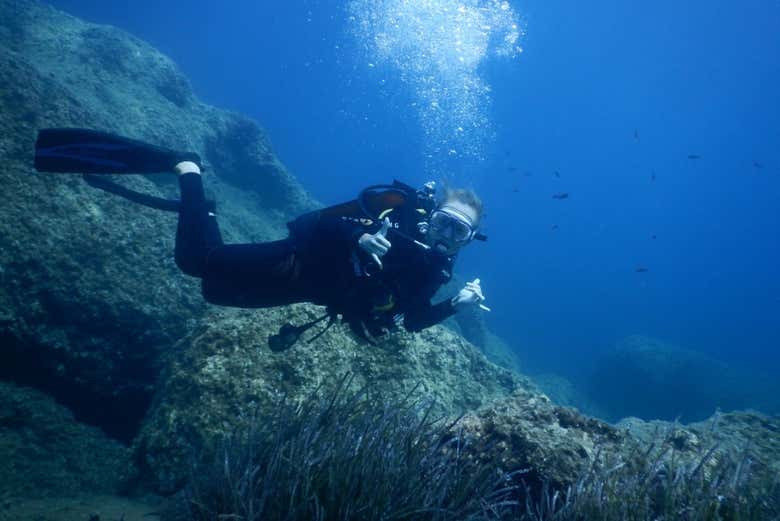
(649, 378)
(527, 432)
(498, 351)
(90, 296)
(746, 435)
(558, 446)
(470, 324)
(750, 433)
(44, 452)
(562, 392)
(225, 370)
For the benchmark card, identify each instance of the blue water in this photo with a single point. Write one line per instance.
(612, 95)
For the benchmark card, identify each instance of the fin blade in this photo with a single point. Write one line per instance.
(77, 150)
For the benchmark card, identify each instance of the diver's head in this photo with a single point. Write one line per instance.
(454, 222)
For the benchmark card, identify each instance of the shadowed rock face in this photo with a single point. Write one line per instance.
(44, 452)
(90, 296)
(648, 378)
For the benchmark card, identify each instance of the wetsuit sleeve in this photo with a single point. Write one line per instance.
(421, 314)
(428, 315)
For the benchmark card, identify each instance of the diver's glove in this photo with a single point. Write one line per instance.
(376, 244)
(471, 294)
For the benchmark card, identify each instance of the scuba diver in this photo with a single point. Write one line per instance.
(375, 262)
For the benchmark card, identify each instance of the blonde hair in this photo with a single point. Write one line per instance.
(465, 196)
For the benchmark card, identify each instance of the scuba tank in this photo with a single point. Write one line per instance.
(370, 207)
(409, 206)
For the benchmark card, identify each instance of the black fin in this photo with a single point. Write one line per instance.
(77, 150)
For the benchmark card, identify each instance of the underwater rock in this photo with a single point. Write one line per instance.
(750, 433)
(562, 392)
(241, 152)
(498, 351)
(555, 447)
(748, 436)
(526, 431)
(650, 379)
(90, 295)
(224, 371)
(470, 323)
(44, 452)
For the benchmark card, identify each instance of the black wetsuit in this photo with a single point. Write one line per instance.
(324, 267)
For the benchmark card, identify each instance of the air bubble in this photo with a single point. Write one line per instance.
(437, 47)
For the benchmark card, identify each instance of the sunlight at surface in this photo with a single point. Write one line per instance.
(436, 47)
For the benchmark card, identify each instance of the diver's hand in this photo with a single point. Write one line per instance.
(376, 244)
(471, 294)
(187, 167)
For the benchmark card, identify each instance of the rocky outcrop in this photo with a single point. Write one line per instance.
(563, 392)
(747, 435)
(646, 377)
(44, 452)
(90, 296)
(548, 443)
(224, 370)
(470, 324)
(557, 446)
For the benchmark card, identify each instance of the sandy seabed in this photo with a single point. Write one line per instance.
(86, 508)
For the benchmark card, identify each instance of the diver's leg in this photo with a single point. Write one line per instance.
(241, 275)
(255, 275)
(197, 232)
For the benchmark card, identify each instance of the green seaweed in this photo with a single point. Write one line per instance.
(343, 456)
(660, 482)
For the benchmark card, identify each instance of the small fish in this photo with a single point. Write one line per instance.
(652, 176)
(554, 227)
(694, 156)
(562, 195)
(515, 190)
(641, 270)
(636, 134)
(557, 174)
(512, 169)
(756, 164)
(527, 173)
(654, 236)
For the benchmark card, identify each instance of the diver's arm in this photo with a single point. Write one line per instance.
(419, 313)
(424, 315)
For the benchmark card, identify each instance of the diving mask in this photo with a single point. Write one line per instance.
(451, 224)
